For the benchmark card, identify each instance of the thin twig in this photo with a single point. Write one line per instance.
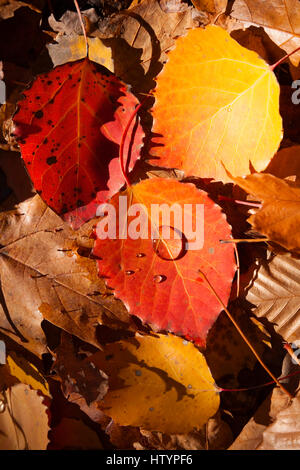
(243, 335)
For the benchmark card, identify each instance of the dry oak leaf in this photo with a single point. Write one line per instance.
(43, 276)
(217, 104)
(151, 377)
(157, 274)
(279, 18)
(279, 217)
(275, 292)
(24, 422)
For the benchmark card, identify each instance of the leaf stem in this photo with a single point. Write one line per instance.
(246, 240)
(237, 201)
(82, 26)
(122, 144)
(272, 67)
(243, 335)
(257, 386)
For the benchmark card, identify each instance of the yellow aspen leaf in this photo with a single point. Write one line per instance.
(217, 105)
(161, 383)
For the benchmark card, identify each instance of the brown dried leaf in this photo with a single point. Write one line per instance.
(284, 433)
(279, 217)
(143, 34)
(24, 422)
(275, 292)
(44, 276)
(252, 434)
(79, 378)
(279, 18)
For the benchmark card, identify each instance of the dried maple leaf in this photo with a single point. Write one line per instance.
(43, 276)
(157, 277)
(275, 291)
(279, 216)
(215, 106)
(279, 18)
(150, 377)
(24, 422)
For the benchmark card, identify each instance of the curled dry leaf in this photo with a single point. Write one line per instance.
(143, 35)
(279, 18)
(157, 275)
(279, 217)
(150, 377)
(275, 292)
(78, 377)
(24, 422)
(43, 276)
(225, 101)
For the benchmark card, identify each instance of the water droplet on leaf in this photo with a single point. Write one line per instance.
(129, 273)
(159, 278)
(169, 244)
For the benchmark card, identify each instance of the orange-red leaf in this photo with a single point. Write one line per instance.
(158, 279)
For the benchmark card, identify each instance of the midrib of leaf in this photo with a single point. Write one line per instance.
(174, 261)
(53, 278)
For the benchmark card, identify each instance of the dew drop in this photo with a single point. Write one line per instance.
(129, 273)
(2, 406)
(159, 278)
(140, 255)
(171, 243)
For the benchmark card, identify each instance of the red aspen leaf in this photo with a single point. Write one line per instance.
(157, 279)
(217, 104)
(59, 128)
